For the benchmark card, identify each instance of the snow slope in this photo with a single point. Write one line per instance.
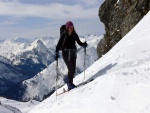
(16, 107)
(121, 80)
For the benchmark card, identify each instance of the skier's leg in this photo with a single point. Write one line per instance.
(71, 65)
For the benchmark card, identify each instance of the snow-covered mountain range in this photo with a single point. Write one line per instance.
(32, 57)
(29, 57)
(21, 59)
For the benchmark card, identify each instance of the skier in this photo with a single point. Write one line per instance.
(67, 43)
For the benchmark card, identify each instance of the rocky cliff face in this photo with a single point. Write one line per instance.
(119, 17)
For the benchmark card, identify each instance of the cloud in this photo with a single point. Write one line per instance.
(88, 2)
(52, 10)
(10, 20)
(18, 18)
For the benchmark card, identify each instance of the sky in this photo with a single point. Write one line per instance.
(43, 18)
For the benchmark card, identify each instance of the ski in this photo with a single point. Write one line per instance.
(79, 85)
(64, 91)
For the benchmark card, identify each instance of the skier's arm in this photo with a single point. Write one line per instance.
(78, 40)
(84, 45)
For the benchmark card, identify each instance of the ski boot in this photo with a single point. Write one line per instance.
(71, 86)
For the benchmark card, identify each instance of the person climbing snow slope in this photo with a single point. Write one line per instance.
(67, 43)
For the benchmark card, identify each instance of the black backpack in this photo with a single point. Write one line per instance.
(62, 29)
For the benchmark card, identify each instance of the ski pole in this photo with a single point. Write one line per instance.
(84, 60)
(56, 76)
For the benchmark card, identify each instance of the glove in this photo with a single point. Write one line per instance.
(56, 56)
(84, 45)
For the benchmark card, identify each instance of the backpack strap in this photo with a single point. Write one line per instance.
(62, 46)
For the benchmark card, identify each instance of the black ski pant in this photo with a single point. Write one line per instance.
(71, 65)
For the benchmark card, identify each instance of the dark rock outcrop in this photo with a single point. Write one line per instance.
(119, 17)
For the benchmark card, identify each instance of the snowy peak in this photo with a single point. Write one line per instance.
(50, 42)
(39, 46)
(37, 43)
(9, 47)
